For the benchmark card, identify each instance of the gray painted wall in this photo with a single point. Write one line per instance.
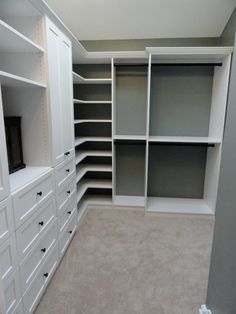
(221, 296)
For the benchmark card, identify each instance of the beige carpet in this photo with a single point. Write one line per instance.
(123, 262)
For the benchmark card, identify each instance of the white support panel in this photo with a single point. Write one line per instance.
(81, 140)
(80, 101)
(184, 139)
(14, 41)
(79, 121)
(83, 169)
(78, 79)
(178, 206)
(130, 137)
(11, 80)
(91, 153)
(133, 201)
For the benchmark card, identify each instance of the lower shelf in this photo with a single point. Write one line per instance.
(178, 205)
(134, 201)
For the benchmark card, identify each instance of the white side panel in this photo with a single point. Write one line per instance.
(53, 42)
(4, 174)
(113, 117)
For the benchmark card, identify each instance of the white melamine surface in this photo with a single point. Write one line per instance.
(81, 140)
(84, 168)
(78, 79)
(11, 80)
(130, 137)
(25, 176)
(124, 200)
(79, 101)
(13, 41)
(178, 205)
(91, 153)
(92, 121)
(184, 139)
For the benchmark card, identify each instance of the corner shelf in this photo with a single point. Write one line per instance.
(130, 137)
(184, 139)
(79, 121)
(91, 153)
(83, 169)
(85, 184)
(81, 140)
(14, 41)
(80, 101)
(78, 79)
(11, 80)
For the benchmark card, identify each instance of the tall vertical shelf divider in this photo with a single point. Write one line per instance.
(93, 134)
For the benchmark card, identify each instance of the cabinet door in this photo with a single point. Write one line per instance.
(67, 94)
(53, 45)
(4, 174)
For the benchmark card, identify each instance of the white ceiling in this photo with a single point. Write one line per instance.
(136, 19)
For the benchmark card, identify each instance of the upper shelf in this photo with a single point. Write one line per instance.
(11, 80)
(78, 79)
(184, 139)
(14, 41)
(80, 101)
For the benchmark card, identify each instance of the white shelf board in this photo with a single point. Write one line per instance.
(79, 121)
(190, 52)
(91, 153)
(24, 176)
(178, 205)
(80, 101)
(98, 199)
(134, 201)
(130, 137)
(81, 140)
(83, 169)
(91, 183)
(184, 139)
(14, 41)
(11, 80)
(78, 79)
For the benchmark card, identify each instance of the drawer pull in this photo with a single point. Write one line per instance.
(70, 231)
(41, 223)
(69, 212)
(68, 192)
(67, 170)
(40, 193)
(43, 250)
(45, 275)
(67, 153)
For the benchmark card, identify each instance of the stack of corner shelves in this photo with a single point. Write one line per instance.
(93, 138)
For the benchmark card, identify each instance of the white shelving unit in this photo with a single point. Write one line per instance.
(78, 79)
(11, 80)
(92, 121)
(79, 101)
(184, 139)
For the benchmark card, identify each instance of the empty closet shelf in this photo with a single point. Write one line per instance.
(80, 101)
(91, 153)
(78, 79)
(11, 80)
(184, 139)
(79, 121)
(91, 183)
(81, 140)
(83, 169)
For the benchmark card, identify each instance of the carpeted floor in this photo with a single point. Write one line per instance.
(123, 262)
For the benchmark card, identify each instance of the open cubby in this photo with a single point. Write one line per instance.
(130, 168)
(180, 100)
(93, 130)
(92, 111)
(130, 100)
(92, 92)
(176, 171)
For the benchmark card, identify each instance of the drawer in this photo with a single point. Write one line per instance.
(27, 200)
(68, 234)
(19, 308)
(33, 294)
(64, 193)
(67, 213)
(8, 257)
(64, 172)
(28, 234)
(6, 219)
(11, 291)
(37, 255)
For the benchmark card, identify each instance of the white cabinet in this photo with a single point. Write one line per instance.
(6, 220)
(4, 174)
(60, 93)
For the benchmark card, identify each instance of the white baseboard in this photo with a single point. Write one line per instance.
(204, 310)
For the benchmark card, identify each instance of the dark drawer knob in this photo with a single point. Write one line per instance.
(69, 212)
(67, 153)
(41, 223)
(68, 192)
(40, 193)
(67, 170)
(45, 275)
(43, 250)
(70, 231)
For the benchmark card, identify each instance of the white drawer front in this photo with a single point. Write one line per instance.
(6, 219)
(67, 213)
(34, 292)
(64, 172)
(19, 308)
(8, 257)
(29, 233)
(68, 234)
(27, 200)
(12, 291)
(35, 258)
(64, 193)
